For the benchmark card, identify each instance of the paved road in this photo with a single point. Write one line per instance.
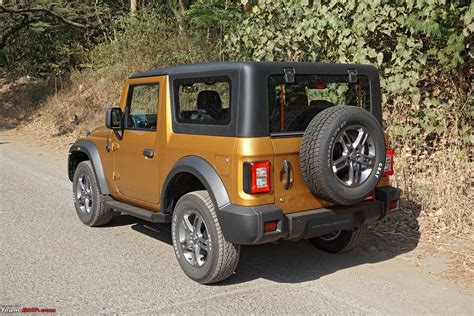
(51, 260)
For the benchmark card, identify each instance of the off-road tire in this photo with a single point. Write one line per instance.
(316, 150)
(100, 214)
(346, 241)
(222, 258)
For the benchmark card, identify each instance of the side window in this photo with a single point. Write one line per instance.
(142, 106)
(203, 100)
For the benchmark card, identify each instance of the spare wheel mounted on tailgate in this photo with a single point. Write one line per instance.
(342, 154)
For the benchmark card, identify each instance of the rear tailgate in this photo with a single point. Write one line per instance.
(292, 105)
(297, 197)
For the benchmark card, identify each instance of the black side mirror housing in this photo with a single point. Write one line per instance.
(114, 119)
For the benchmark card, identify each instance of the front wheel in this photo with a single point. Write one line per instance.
(87, 198)
(202, 252)
(339, 241)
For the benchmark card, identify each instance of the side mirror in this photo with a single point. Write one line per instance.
(113, 118)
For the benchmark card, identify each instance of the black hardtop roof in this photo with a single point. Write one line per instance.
(250, 66)
(249, 84)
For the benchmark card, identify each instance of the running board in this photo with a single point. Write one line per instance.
(154, 217)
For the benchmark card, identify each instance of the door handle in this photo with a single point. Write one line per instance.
(148, 153)
(287, 170)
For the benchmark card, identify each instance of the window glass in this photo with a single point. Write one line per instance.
(293, 106)
(143, 106)
(203, 101)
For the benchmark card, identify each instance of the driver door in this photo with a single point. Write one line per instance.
(136, 154)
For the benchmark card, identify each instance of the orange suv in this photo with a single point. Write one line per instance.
(240, 153)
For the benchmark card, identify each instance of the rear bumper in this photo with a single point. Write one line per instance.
(244, 225)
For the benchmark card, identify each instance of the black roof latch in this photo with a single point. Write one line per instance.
(289, 75)
(352, 75)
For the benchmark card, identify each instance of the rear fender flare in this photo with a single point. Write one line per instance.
(205, 173)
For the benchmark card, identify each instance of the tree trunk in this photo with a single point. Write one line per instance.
(133, 7)
(178, 11)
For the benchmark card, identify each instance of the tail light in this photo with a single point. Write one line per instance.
(271, 226)
(257, 177)
(393, 204)
(388, 169)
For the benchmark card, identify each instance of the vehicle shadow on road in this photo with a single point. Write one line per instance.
(160, 232)
(300, 261)
(295, 262)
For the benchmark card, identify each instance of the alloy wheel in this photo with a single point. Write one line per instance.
(353, 156)
(84, 194)
(194, 238)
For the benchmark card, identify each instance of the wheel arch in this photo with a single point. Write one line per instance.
(87, 150)
(198, 174)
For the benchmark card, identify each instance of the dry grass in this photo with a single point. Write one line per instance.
(441, 185)
(19, 99)
(79, 107)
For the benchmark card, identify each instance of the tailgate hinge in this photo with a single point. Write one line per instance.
(352, 75)
(289, 75)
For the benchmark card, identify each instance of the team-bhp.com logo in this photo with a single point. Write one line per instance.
(17, 309)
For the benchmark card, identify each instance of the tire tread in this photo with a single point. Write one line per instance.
(313, 147)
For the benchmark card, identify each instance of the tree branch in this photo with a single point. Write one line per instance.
(5, 9)
(14, 29)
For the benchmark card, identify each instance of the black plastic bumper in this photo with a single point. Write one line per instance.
(244, 225)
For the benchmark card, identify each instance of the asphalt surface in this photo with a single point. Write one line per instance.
(51, 260)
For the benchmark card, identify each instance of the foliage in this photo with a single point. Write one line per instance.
(50, 37)
(145, 41)
(422, 50)
(210, 18)
(43, 50)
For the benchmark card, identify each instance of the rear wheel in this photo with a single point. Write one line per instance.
(339, 241)
(202, 252)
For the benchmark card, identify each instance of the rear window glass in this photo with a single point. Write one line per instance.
(293, 105)
(203, 101)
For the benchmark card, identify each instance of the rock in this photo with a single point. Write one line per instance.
(75, 119)
(439, 212)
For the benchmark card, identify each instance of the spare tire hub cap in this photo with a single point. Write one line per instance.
(353, 155)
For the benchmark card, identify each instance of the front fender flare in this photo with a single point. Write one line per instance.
(90, 149)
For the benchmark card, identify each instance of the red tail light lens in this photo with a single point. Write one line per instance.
(270, 226)
(393, 204)
(388, 169)
(257, 177)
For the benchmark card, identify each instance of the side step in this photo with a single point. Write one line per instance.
(154, 217)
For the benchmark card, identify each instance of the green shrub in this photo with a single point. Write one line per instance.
(421, 49)
(148, 40)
